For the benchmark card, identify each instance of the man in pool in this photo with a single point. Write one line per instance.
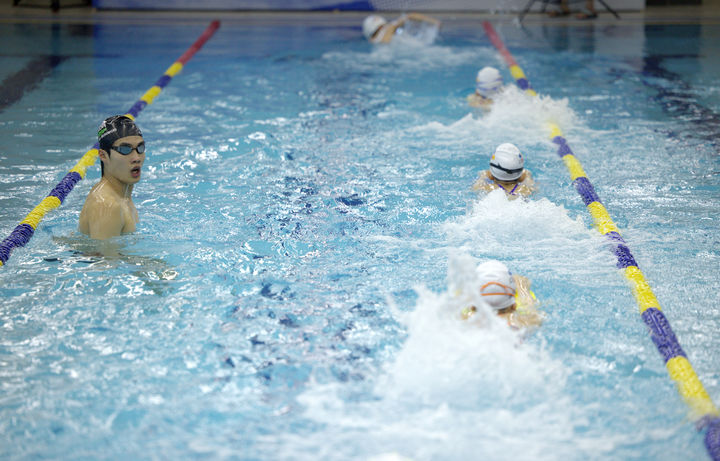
(109, 210)
(508, 295)
(488, 84)
(377, 30)
(507, 172)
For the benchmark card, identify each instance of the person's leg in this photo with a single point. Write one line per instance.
(563, 11)
(588, 12)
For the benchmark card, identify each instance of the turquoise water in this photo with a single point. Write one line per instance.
(305, 205)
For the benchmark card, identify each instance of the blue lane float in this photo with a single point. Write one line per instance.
(702, 409)
(24, 231)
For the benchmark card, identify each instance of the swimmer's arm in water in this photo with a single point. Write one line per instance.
(384, 33)
(526, 316)
(522, 288)
(484, 182)
(422, 17)
(387, 31)
(526, 320)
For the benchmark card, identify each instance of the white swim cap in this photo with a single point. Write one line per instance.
(371, 24)
(497, 286)
(507, 162)
(488, 82)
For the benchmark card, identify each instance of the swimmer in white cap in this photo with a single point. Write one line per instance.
(506, 294)
(109, 210)
(378, 30)
(507, 172)
(488, 84)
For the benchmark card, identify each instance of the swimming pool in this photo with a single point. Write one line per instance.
(303, 199)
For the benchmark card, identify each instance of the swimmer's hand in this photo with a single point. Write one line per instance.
(528, 320)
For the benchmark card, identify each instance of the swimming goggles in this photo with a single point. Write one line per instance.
(125, 149)
(507, 170)
(503, 290)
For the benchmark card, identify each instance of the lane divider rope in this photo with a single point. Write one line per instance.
(22, 234)
(702, 410)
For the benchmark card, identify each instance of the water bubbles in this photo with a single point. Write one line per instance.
(308, 240)
(257, 136)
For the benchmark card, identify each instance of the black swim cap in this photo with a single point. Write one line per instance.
(114, 128)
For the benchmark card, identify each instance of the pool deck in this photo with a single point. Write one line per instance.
(707, 13)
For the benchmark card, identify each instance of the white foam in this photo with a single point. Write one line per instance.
(408, 55)
(515, 117)
(461, 364)
(455, 390)
(532, 235)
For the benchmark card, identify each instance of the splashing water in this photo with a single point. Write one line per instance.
(307, 221)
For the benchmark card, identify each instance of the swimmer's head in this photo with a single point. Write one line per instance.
(371, 24)
(488, 82)
(496, 284)
(507, 163)
(112, 129)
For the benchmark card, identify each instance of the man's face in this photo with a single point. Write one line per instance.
(126, 168)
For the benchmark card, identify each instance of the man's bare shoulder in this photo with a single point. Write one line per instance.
(102, 195)
(102, 214)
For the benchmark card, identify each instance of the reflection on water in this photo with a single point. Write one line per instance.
(108, 255)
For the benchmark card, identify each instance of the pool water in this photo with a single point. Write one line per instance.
(306, 218)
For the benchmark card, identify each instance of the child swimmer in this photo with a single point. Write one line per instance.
(488, 84)
(109, 210)
(378, 30)
(507, 172)
(508, 295)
